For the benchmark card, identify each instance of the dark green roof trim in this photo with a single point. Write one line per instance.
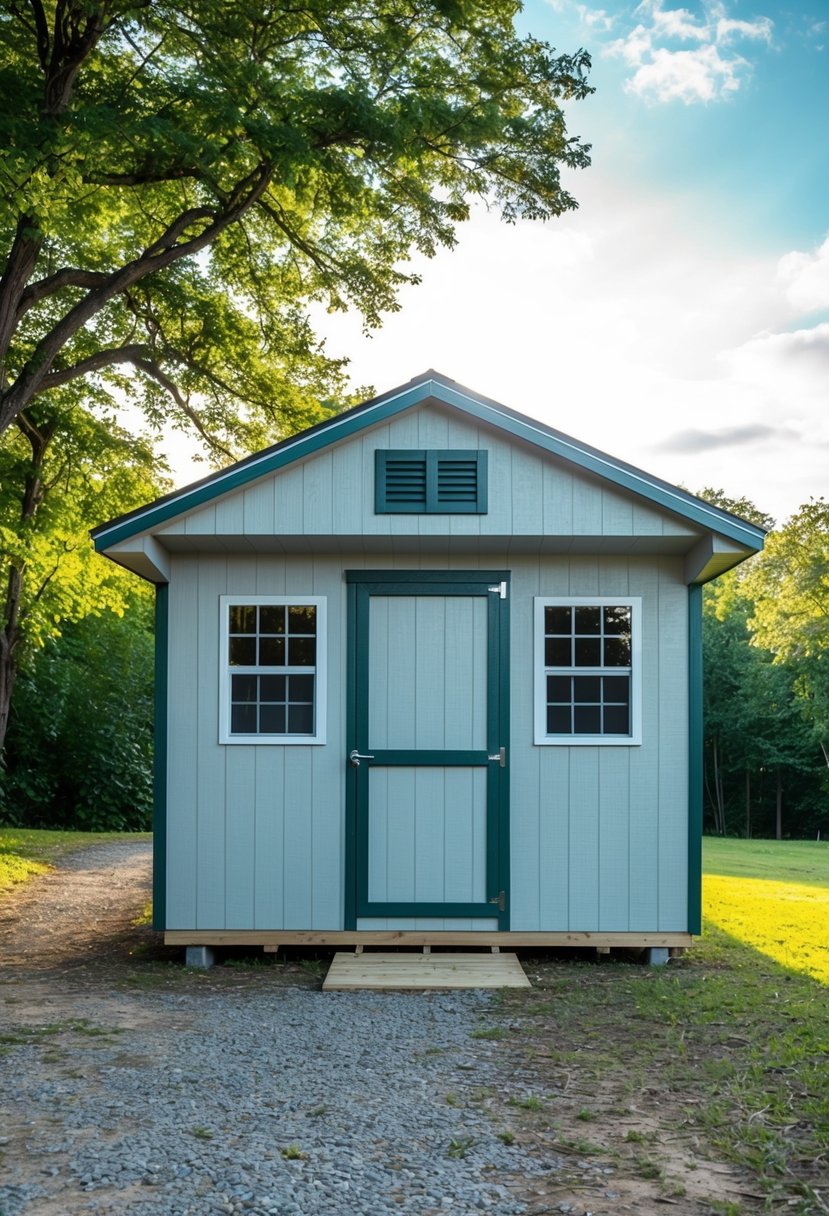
(431, 385)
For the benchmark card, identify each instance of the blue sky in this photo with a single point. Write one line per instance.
(680, 318)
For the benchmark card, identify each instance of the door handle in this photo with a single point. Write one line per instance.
(355, 757)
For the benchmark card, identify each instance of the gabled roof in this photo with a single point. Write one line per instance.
(434, 387)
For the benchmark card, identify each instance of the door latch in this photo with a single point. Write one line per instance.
(500, 756)
(355, 757)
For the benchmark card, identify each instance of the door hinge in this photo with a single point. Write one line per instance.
(500, 756)
(500, 589)
(501, 900)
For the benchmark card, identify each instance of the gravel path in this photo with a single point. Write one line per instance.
(150, 1090)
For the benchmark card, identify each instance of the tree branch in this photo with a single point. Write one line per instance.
(104, 358)
(162, 253)
(152, 370)
(69, 276)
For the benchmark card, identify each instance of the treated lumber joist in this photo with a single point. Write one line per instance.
(272, 939)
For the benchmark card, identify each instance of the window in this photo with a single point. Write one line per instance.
(587, 670)
(272, 685)
(430, 482)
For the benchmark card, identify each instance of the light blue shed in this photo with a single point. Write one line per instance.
(429, 672)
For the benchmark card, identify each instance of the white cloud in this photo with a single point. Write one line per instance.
(687, 76)
(805, 277)
(709, 70)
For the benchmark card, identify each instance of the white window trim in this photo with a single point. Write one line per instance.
(542, 739)
(321, 672)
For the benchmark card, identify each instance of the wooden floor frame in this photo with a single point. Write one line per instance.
(272, 939)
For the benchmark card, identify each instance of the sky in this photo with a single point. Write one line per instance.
(679, 320)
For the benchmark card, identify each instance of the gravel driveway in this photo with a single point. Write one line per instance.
(129, 1084)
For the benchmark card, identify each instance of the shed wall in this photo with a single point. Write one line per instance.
(256, 833)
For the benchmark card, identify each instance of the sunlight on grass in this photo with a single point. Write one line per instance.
(787, 921)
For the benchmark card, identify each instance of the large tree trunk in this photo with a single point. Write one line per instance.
(779, 806)
(15, 570)
(748, 803)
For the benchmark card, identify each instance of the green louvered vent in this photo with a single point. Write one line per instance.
(406, 485)
(430, 482)
(457, 481)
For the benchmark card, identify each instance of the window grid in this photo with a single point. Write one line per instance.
(585, 671)
(272, 664)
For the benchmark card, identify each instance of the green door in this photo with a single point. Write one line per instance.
(427, 748)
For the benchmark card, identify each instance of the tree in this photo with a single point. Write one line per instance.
(60, 468)
(79, 750)
(790, 586)
(179, 178)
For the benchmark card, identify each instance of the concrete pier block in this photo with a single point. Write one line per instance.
(656, 956)
(199, 956)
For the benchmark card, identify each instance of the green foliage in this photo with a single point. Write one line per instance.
(180, 178)
(790, 590)
(79, 748)
(763, 767)
(86, 470)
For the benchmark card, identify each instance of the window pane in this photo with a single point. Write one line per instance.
(587, 720)
(300, 688)
(243, 719)
(271, 652)
(243, 688)
(242, 618)
(558, 688)
(272, 618)
(617, 652)
(616, 720)
(588, 620)
(588, 652)
(302, 618)
(272, 719)
(617, 689)
(300, 719)
(302, 652)
(558, 620)
(557, 652)
(617, 620)
(558, 720)
(243, 652)
(587, 688)
(272, 688)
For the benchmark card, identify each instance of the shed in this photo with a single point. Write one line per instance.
(428, 672)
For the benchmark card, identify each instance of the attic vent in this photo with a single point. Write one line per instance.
(430, 482)
(405, 486)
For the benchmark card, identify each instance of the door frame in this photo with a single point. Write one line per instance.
(362, 584)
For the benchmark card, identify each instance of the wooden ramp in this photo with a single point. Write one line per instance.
(398, 972)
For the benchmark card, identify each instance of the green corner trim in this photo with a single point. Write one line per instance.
(695, 743)
(160, 758)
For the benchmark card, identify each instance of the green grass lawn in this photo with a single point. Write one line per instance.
(803, 861)
(27, 852)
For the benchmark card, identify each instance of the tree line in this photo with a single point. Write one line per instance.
(766, 682)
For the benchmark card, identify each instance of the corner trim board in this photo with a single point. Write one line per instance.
(160, 757)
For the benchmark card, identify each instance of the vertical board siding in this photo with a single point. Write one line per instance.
(332, 493)
(673, 752)
(182, 746)
(427, 835)
(211, 911)
(598, 835)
